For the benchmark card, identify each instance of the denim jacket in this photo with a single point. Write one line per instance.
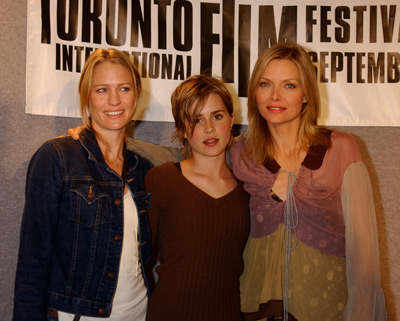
(72, 229)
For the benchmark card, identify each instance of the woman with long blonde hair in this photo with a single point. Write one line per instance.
(85, 237)
(312, 253)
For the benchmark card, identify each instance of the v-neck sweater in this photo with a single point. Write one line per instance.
(199, 242)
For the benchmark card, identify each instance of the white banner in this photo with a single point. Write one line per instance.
(355, 48)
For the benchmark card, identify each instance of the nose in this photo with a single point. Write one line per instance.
(113, 98)
(276, 95)
(209, 126)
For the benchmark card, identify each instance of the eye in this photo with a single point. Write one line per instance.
(218, 116)
(290, 86)
(264, 84)
(125, 89)
(198, 120)
(101, 90)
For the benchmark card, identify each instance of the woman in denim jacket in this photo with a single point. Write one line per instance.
(84, 235)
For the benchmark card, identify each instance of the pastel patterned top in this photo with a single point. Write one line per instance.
(323, 260)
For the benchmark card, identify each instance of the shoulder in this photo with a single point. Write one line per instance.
(163, 169)
(238, 146)
(239, 140)
(344, 148)
(160, 175)
(64, 142)
(344, 142)
(57, 146)
(49, 159)
(343, 139)
(237, 151)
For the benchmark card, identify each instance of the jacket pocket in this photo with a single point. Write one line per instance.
(90, 203)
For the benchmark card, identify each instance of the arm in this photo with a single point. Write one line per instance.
(155, 153)
(366, 300)
(40, 217)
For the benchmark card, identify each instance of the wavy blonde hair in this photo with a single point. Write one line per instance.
(259, 144)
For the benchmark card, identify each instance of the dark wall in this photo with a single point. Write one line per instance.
(21, 134)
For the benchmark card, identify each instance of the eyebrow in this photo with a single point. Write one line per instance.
(107, 85)
(125, 84)
(289, 79)
(212, 113)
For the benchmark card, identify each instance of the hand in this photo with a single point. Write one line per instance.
(74, 132)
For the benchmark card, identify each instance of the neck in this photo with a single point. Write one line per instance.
(113, 153)
(287, 150)
(208, 166)
(285, 139)
(111, 144)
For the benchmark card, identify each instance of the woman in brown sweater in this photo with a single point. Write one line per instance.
(198, 212)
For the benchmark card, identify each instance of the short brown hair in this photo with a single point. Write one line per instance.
(189, 98)
(85, 83)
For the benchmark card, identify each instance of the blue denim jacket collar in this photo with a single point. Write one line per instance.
(89, 141)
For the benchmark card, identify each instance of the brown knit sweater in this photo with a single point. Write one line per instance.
(199, 242)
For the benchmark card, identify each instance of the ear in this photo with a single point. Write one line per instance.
(185, 135)
(232, 119)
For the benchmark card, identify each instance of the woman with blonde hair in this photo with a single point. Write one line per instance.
(312, 253)
(85, 236)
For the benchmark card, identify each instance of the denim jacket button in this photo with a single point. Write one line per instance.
(117, 202)
(102, 311)
(110, 275)
(117, 238)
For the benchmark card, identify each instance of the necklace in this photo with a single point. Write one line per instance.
(116, 163)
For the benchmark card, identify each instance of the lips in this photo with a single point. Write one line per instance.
(114, 113)
(211, 142)
(275, 109)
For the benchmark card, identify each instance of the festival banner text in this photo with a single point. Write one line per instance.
(355, 49)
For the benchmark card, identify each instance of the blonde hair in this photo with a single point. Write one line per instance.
(259, 143)
(189, 98)
(85, 83)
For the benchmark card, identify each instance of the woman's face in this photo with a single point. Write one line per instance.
(212, 131)
(280, 95)
(112, 97)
